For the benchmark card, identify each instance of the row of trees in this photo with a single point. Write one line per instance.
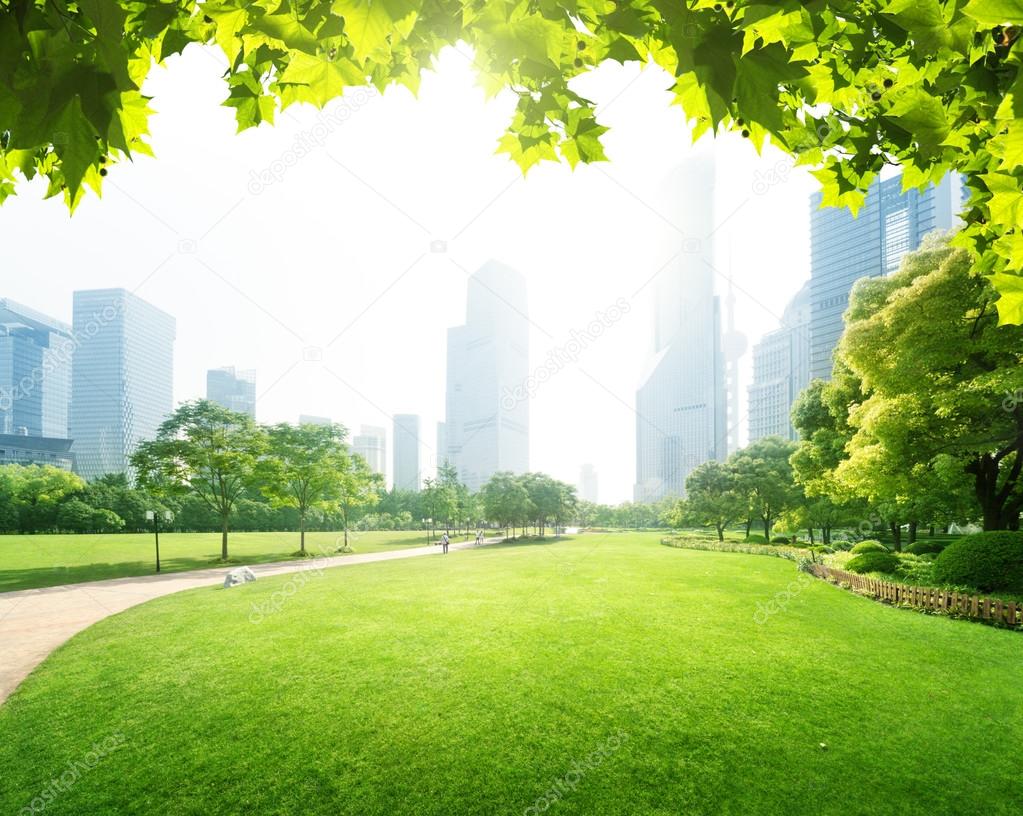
(920, 425)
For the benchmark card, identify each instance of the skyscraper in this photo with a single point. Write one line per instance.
(487, 425)
(231, 389)
(681, 404)
(122, 384)
(844, 248)
(442, 446)
(371, 444)
(781, 369)
(588, 484)
(35, 372)
(406, 452)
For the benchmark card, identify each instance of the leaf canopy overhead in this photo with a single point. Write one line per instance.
(845, 87)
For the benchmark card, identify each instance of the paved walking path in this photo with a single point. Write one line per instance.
(34, 622)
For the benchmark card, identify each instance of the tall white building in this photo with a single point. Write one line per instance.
(122, 379)
(371, 444)
(406, 452)
(681, 403)
(781, 369)
(588, 483)
(487, 420)
(441, 452)
(232, 389)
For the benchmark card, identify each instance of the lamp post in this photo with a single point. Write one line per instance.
(154, 516)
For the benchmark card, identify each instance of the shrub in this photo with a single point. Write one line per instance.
(781, 540)
(756, 538)
(870, 545)
(987, 561)
(929, 546)
(873, 561)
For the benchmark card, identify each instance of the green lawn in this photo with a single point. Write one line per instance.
(607, 672)
(29, 561)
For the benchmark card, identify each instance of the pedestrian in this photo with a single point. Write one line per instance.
(479, 537)
(444, 541)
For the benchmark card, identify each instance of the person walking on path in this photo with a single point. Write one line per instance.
(479, 537)
(444, 542)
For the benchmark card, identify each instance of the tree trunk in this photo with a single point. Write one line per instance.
(811, 536)
(749, 525)
(223, 538)
(301, 533)
(912, 532)
(721, 532)
(767, 527)
(896, 536)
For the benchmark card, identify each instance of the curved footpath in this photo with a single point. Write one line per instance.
(34, 622)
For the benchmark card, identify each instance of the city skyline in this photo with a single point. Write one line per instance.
(305, 303)
(681, 406)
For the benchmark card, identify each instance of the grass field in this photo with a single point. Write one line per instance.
(605, 674)
(29, 561)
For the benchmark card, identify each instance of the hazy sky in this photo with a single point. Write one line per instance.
(328, 282)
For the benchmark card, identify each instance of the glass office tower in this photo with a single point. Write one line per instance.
(844, 248)
(122, 384)
(35, 372)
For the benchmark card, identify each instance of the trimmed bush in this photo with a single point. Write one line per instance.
(986, 561)
(870, 545)
(873, 561)
(756, 538)
(781, 540)
(929, 546)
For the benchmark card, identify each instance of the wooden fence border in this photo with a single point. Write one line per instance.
(958, 604)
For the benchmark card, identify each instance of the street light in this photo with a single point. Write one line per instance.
(154, 516)
(426, 522)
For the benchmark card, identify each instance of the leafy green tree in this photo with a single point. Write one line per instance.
(764, 475)
(506, 500)
(847, 88)
(37, 492)
(712, 498)
(358, 487)
(302, 468)
(941, 380)
(206, 450)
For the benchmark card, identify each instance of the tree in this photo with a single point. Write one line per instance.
(940, 380)
(506, 500)
(358, 486)
(712, 497)
(303, 467)
(37, 492)
(763, 474)
(206, 450)
(848, 88)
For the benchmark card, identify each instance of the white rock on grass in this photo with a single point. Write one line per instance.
(241, 575)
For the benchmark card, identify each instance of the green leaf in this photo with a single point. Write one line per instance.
(1006, 204)
(318, 79)
(369, 23)
(922, 115)
(993, 12)
(76, 145)
(230, 20)
(1010, 304)
(286, 29)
